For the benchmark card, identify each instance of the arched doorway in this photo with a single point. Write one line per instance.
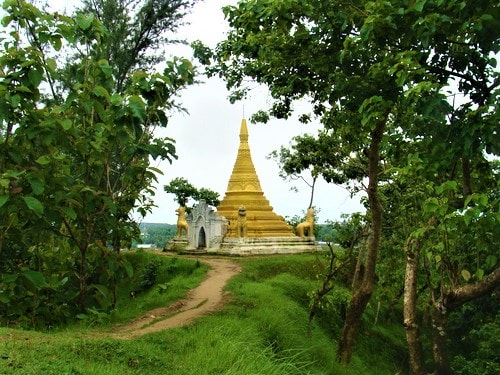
(202, 239)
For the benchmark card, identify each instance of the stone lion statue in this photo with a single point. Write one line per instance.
(307, 227)
(241, 224)
(181, 221)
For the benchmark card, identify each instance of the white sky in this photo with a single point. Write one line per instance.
(207, 138)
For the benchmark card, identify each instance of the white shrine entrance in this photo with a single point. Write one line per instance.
(206, 228)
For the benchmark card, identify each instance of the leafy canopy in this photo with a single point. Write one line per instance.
(183, 190)
(74, 161)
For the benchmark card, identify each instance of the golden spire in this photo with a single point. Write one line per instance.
(244, 177)
(243, 189)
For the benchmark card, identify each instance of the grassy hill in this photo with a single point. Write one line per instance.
(264, 328)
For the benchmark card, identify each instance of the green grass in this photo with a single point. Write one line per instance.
(263, 330)
(173, 279)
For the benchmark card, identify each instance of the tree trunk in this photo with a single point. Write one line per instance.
(438, 328)
(361, 296)
(352, 323)
(313, 185)
(415, 351)
(359, 271)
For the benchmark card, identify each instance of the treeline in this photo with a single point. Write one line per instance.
(156, 234)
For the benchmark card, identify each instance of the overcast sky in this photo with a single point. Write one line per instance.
(207, 138)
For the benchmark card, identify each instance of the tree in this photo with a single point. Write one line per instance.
(292, 163)
(138, 32)
(376, 75)
(183, 190)
(316, 155)
(60, 204)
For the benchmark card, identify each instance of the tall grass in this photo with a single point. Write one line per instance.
(264, 330)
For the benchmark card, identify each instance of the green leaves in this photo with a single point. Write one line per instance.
(6, 21)
(35, 76)
(37, 184)
(51, 65)
(137, 107)
(43, 160)
(84, 20)
(184, 190)
(105, 68)
(34, 205)
(373, 110)
(479, 199)
(116, 100)
(491, 261)
(69, 212)
(100, 91)
(3, 199)
(466, 275)
(418, 5)
(127, 266)
(66, 123)
(34, 280)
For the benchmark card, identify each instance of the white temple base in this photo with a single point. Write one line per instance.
(266, 245)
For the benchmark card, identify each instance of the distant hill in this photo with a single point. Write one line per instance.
(155, 225)
(157, 234)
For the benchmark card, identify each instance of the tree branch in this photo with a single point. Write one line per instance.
(457, 296)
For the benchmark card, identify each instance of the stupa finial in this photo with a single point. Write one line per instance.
(243, 131)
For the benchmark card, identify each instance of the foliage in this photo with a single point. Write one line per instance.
(348, 233)
(156, 282)
(173, 277)
(329, 292)
(138, 31)
(475, 351)
(183, 190)
(74, 162)
(292, 164)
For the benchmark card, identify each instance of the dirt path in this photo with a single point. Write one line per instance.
(207, 297)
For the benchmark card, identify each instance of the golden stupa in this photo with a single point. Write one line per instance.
(244, 193)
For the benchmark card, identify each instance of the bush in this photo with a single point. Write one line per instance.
(148, 275)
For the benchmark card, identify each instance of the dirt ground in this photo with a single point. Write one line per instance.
(207, 297)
